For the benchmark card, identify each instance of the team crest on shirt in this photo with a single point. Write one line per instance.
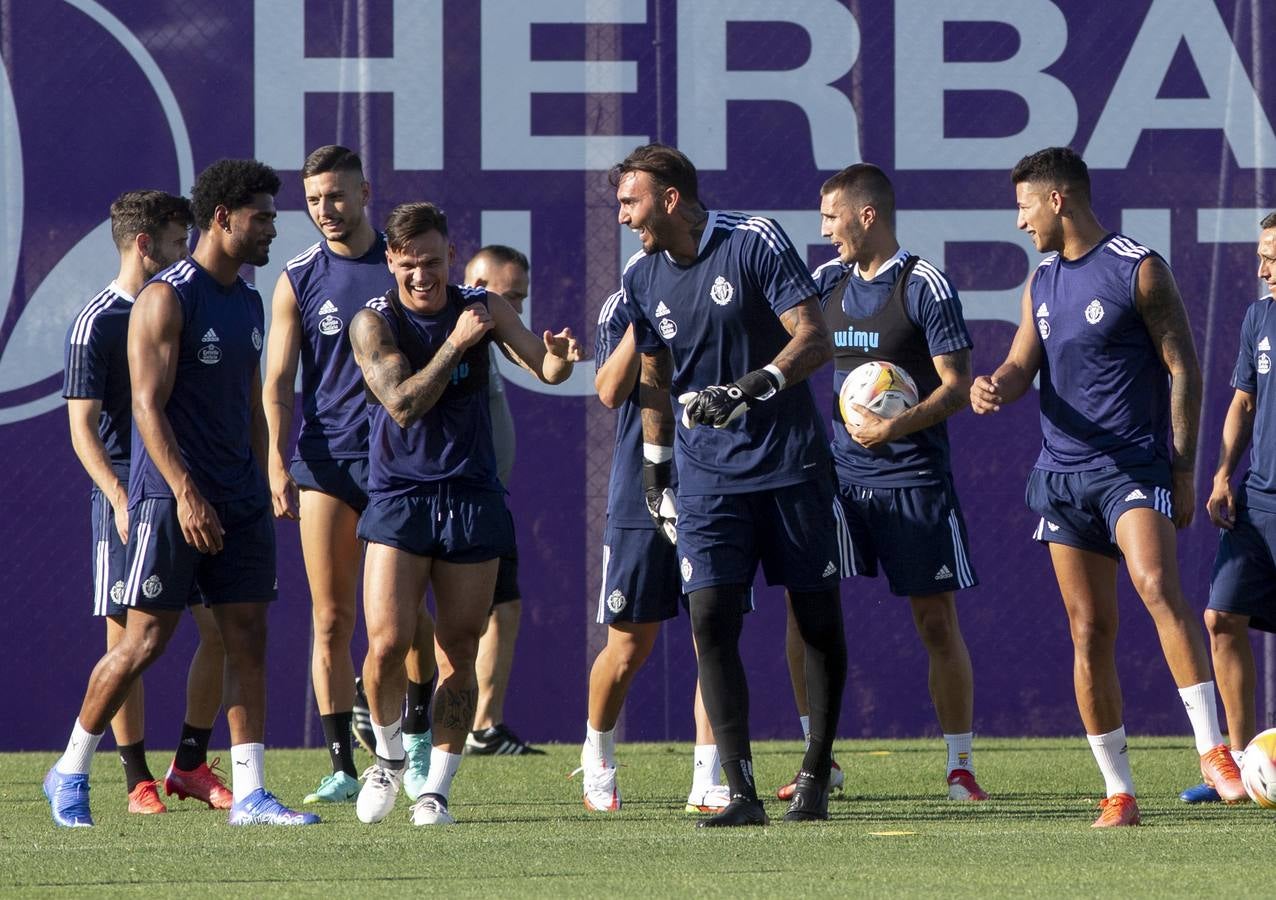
(1094, 312)
(256, 338)
(685, 568)
(668, 328)
(616, 601)
(330, 325)
(117, 592)
(152, 587)
(1264, 364)
(721, 291)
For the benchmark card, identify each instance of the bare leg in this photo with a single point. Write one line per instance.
(463, 596)
(1087, 582)
(420, 661)
(1147, 540)
(243, 628)
(1235, 673)
(951, 681)
(331, 552)
(204, 679)
(495, 661)
(394, 584)
(146, 634)
(628, 646)
(128, 724)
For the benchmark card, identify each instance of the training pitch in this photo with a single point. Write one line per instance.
(523, 832)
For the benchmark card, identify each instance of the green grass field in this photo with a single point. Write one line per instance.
(523, 832)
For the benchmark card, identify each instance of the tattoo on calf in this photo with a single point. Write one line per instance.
(454, 707)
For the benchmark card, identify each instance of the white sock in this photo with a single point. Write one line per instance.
(390, 740)
(443, 766)
(1111, 753)
(79, 751)
(246, 769)
(806, 728)
(1202, 711)
(705, 773)
(960, 755)
(602, 743)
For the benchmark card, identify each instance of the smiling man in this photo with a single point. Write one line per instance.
(436, 513)
(199, 508)
(1104, 325)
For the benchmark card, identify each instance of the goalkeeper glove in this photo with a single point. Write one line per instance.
(720, 404)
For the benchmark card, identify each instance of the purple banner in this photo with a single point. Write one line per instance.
(508, 114)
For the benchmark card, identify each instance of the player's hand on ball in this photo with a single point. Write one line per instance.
(1221, 505)
(985, 397)
(1182, 497)
(872, 430)
(474, 322)
(662, 505)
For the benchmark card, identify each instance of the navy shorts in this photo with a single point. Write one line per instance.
(1244, 579)
(918, 535)
(453, 523)
(790, 530)
(109, 559)
(345, 479)
(165, 572)
(1081, 509)
(507, 576)
(640, 577)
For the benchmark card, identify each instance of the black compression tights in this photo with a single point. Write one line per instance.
(717, 614)
(819, 619)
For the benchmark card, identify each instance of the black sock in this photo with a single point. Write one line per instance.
(717, 615)
(819, 619)
(417, 718)
(192, 749)
(340, 739)
(133, 756)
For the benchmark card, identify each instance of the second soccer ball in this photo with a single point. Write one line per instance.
(880, 387)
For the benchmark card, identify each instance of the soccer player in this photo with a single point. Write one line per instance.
(894, 482)
(1243, 587)
(1103, 324)
(505, 271)
(317, 295)
(150, 230)
(728, 319)
(199, 507)
(640, 586)
(436, 512)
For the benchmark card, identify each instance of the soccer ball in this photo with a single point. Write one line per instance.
(880, 387)
(1258, 769)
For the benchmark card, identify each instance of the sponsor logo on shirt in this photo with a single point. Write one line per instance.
(210, 354)
(1094, 312)
(329, 325)
(850, 337)
(1043, 326)
(328, 308)
(721, 291)
(1042, 311)
(1264, 364)
(661, 309)
(668, 328)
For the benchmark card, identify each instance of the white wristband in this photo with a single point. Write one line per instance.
(656, 453)
(779, 376)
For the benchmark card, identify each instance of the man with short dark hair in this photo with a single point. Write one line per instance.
(150, 230)
(436, 513)
(505, 271)
(898, 505)
(199, 508)
(728, 320)
(1243, 586)
(1114, 477)
(317, 295)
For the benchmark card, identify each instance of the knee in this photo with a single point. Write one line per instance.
(459, 648)
(1225, 626)
(141, 650)
(387, 649)
(1157, 588)
(334, 627)
(1091, 634)
(936, 631)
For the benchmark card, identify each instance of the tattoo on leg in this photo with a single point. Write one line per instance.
(454, 708)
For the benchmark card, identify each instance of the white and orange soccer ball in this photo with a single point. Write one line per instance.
(1258, 769)
(880, 387)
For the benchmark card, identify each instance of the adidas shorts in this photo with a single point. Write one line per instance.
(109, 559)
(1081, 509)
(165, 572)
(345, 479)
(448, 522)
(507, 589)
(640, 577)
(1244, 579)
(790, 530)
(917, 534)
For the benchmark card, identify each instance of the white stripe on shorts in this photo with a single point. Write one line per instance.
(845, 547)
(1161, 497)
(1040, 529)
(141, 543)
(101, 561)
(602, 588)
(965, 578)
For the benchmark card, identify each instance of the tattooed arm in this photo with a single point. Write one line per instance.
(1157, 299)
(952, 396)
(655, 381)
(407, 396)
(810, 345)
